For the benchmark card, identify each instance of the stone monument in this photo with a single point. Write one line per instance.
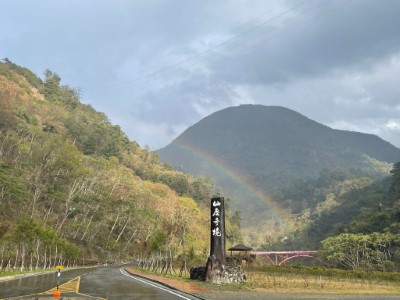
(216, 269)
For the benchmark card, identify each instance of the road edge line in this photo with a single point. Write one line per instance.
(160, 283)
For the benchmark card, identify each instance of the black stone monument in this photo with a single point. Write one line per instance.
(216, 271)
(217, 242)
(216, 260)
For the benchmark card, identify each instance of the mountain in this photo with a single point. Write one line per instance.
(75, 188)
(253, 150)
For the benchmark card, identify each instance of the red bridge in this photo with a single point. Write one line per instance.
(280, 257)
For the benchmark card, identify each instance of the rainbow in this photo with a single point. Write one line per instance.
(235, 177)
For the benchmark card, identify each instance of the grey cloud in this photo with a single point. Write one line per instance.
(112, 33)
(179, 104)
(338, 35)
(333, 61)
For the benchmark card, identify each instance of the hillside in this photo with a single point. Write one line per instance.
(73, 186)
(253, 151)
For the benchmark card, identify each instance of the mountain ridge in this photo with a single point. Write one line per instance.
(270, 146)
(278, 127)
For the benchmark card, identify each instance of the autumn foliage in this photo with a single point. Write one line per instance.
(74, 189)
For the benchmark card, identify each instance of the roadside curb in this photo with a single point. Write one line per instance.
(163, 284)
(17, 276)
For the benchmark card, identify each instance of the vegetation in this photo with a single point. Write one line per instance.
(75, 190)
(376, 251)
(352, 219)
(292, 282)
(323, 280)
(326, 182)
(285, 173)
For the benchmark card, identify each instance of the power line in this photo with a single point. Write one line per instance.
(210, 53)
(181, 64)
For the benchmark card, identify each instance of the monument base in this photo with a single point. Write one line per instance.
(215, 272)
(198, 273)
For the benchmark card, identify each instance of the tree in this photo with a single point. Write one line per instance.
(13, 192)
(70, 181)
(363, 251)
(348, 250)
(51, 85)
(395, 186)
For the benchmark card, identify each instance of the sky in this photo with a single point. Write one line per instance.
(156, 67)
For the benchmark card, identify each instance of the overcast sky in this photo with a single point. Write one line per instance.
(156, 67)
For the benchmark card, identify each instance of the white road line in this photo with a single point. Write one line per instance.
(153, 285)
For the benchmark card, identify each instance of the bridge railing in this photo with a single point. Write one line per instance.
(295, 252)
(281, 257)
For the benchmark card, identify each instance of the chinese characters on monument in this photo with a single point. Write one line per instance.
(215, 215)
(218, 229)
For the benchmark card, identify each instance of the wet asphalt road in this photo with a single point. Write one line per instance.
(114, 283)
(100, 283)
(37, 283)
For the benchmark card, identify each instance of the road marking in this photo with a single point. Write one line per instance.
(86, 295)
(72, 286)
(153, 285)
(68, 287)
(78, 284)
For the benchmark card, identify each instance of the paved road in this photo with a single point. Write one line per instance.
(95, 283)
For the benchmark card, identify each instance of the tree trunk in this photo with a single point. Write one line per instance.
(112, 229)
(130, 239)
(2, 258)
(22, 258)
(122, 231)
(16, 259)
(36, 196)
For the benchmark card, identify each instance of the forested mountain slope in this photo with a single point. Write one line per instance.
(73, 186)
(268, 147)
(354, 220)
(273, 145)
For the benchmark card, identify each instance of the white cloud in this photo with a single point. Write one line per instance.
(393, 125)
(387, 129)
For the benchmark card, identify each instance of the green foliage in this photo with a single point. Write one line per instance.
(270, 147)
(52, 88)
(361, 251)
(371, 238)
(336, 202)
(24, 72)
(395, 185)
(72, 184)
(233, 230)
(6, 72)
(370, 209)
(95, 135)
(13, 192)
(321, 193)
(157, 242)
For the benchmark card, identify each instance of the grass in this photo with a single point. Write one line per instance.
(28, 271)
(307, 280)
(333, 284)
(295, 280)
(13, 273)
